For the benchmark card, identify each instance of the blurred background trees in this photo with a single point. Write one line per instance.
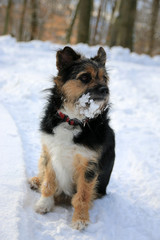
(122, 24)
(85, 14)
(128, 23)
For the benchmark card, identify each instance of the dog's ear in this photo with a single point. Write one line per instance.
(66, 57)
(101, 56)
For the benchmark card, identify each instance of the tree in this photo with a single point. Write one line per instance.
(101, 34)
(122, 23)
(154, 16)
(85, 11)
(7, 17)
(34, 19)
(21, 27)
(115, 8)
(97, 21)
(69, 31)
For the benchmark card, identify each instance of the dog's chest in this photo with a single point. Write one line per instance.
(62, 151)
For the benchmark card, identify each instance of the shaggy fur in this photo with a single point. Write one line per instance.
(76, 160)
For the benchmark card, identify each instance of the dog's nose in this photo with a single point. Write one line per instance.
(103, 90)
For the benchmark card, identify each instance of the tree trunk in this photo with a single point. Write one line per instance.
(21, 27)
(7, 17)
(34, 19)
(85, 10)
(69, 31)
(123, 26)
(101, 38)
(97, 22)
(115, 8)
(154, 16)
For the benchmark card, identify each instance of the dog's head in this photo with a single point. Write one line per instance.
(82, 82)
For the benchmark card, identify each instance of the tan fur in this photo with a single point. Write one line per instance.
(35, 183)
(91, 70)
(43, 161)
(101, 73)
(85, 191)
(73, 89)
(46, 180)
(48, 186)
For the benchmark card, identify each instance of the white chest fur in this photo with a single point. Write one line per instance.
(62, 150)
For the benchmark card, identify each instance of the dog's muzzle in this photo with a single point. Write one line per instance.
(99, 93)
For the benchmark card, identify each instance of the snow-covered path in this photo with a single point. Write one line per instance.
(131, 210)
(12, 177)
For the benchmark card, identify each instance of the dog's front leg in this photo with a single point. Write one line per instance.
(48, 189)
(35, 182)
(86, 176)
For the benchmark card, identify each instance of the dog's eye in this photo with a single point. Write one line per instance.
(85, 78)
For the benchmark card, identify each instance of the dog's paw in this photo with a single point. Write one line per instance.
(80, 224)
(34, 183)
(44, 205)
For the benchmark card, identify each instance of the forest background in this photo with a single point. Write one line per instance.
(131, 24)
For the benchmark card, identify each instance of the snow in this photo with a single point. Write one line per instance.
(12, 177)
(87, 107)
(131, 210)
(84, 100)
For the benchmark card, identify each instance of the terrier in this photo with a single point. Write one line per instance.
(78, 145)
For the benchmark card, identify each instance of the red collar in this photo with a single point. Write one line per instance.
(74, 121)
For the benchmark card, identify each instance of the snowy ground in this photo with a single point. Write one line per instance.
(131, 211)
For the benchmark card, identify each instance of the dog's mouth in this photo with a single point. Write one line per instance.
(98, 98)
(91, 105)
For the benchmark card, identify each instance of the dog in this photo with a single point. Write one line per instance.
(78, 145)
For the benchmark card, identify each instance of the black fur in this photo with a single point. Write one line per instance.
(90, 175)
(50, 119)
(91, 172)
